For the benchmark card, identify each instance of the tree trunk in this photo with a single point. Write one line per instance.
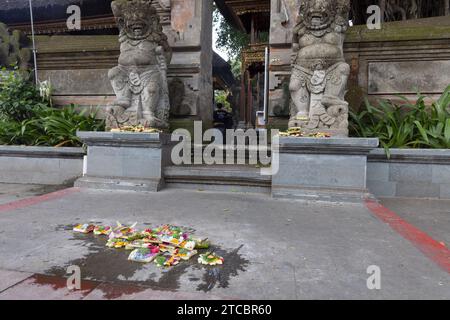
(383, 10)
(446, 7)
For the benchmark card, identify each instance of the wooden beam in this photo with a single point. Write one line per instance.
(229, 15)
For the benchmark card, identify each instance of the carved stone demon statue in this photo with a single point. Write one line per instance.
(140, 79)
(319, 72)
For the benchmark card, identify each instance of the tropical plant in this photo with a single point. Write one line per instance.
(50, 127)
(236, 67)
(221, 96)
(19, 98)
(405, 124)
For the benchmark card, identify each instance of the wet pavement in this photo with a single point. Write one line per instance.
(273, 249)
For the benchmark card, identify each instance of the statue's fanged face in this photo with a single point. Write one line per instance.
(135, 18)
(137, 26)
(318, 14)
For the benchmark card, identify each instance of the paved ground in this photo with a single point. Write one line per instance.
(273, 249)
(431, 216)
(13, 192)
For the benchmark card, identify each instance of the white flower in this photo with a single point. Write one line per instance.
(45, 89)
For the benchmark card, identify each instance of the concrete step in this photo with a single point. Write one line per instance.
(249, 156)
(232, 178)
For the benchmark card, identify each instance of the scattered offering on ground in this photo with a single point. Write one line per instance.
(210, 259)
(144, 255)
(84, 228)
(185, 254)
(102, 230)
(122, 231)
(167, 261)
(136, 129)
(297, 133)
(166, 245)
(117, 243)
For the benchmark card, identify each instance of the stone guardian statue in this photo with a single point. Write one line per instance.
(140, 79)
(319, 71)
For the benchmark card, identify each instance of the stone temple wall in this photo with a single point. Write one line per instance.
(77, 66)
(395, 60)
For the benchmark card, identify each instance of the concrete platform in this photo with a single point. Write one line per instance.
(273, 249)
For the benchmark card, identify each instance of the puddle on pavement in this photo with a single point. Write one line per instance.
(111, 266)
(59, 283)
(112, 292)
(220, 276)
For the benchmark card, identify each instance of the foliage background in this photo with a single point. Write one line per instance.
(395, 10)
(28, 119)
(405, 124)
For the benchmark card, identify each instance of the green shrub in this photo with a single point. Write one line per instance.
(406, 125)
(221, 96)
(49, 127)
(19, 98)
(28, 119)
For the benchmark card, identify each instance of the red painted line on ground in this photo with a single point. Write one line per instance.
(26, 289)
(431, 248)
(35, 200)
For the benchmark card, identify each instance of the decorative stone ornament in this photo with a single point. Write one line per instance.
(140, 79)
(14, 48)
(319, 71)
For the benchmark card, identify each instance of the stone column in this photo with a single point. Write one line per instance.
(190, 36)
(283, 17)
(124, 161)
(332, 169)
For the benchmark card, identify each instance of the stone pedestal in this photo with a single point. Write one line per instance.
(125, 161)
(322, 169)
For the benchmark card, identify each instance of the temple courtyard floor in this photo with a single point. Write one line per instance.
(273, 249)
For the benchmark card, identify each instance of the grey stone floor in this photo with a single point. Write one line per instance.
(431, 216)
(12, 192)
(273, 249)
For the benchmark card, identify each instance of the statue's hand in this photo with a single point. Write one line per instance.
(159, 50)
(161, 58)
(295, 49)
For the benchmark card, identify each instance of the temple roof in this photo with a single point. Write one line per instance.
(20, 4)
(53, 13)
(222, 72)
(236, 12)
(16, 12)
